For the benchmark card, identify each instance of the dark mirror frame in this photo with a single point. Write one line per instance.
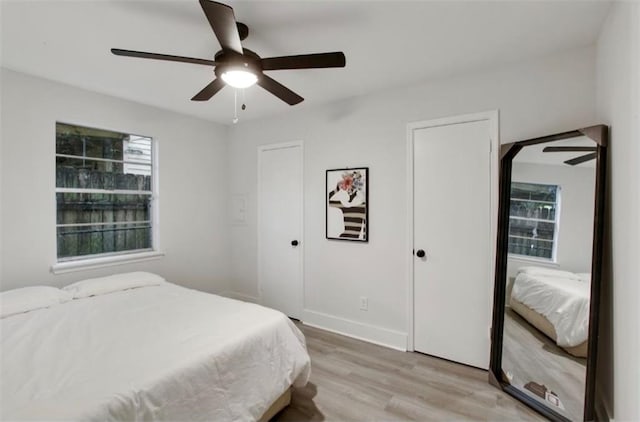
(600, 135)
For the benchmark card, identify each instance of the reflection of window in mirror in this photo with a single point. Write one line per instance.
(533, 220)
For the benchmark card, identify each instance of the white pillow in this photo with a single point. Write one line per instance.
(27, 299)
(112, 283)
(548, 272)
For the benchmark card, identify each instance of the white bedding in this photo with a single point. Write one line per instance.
(563, 301)
(158, 352)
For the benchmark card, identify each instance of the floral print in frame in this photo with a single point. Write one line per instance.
(347, 203)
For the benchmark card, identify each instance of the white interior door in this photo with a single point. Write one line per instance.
(452, 202)
(280, 228)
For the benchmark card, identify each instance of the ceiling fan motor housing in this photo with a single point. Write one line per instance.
(230, 60)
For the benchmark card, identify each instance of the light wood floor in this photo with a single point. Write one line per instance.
(531, 356)
(353, 380)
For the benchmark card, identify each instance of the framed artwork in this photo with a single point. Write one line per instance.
(347, 202)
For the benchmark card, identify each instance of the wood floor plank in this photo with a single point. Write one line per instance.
(352, 380)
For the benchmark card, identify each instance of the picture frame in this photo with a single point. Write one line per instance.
(347, 204)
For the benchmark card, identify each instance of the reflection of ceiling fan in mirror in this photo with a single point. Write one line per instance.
(238, 66)
(577, 160)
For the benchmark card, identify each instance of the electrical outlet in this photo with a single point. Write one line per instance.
(364, 303)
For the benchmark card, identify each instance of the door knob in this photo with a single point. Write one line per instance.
(294, 243)
(420, 253)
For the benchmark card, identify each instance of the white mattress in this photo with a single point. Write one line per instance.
(160, 352)
(563, 301)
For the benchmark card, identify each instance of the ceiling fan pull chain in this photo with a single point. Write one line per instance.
(235, 106)
(244, 101)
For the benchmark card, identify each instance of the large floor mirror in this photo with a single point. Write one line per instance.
(548, 265)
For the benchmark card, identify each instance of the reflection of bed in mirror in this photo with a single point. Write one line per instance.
(556, 303)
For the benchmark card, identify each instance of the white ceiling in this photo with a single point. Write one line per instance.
(387, 44)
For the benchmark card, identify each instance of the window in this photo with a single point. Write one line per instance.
(533, 220)
(104, 192)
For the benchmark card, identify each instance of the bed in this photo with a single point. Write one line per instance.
(555, 302)
(154, 351)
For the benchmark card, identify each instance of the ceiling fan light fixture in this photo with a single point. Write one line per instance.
(239, 78)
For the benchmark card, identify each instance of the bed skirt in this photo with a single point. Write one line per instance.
(542, 323)
(280, 403)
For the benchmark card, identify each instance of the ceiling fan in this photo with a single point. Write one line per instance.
(240, 67)
(577, 160)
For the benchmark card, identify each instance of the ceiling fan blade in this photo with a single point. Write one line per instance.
(209, 90)
(223, 23)
(568, 149)
(156, 56)
(582, 159)
(305, 61)
(279, 90)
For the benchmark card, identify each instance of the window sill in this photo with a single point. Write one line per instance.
(102, 262)
(532, 259)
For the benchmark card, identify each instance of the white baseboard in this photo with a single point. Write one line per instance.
(240, 296)
(370, 333)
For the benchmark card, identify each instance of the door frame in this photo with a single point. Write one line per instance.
(492, 116)
(260, 150)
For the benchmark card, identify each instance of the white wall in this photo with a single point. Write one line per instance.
(618, 94)
(192, 166)
(1, 137)
(575, 234)
(535, 98)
